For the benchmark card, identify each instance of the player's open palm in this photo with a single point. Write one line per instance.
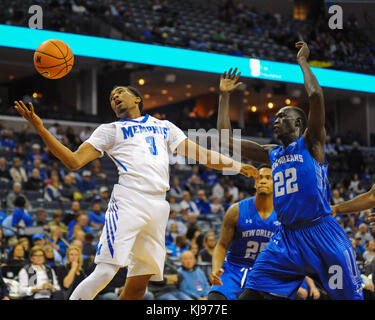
(28, 113)
(304, 51)
(229, 81)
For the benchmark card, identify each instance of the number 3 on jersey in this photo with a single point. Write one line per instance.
(290, 178)
(151, 141)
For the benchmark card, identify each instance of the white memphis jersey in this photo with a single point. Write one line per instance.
(139, 148)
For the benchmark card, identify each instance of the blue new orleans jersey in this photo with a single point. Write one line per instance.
(252, 234)
(301, 190)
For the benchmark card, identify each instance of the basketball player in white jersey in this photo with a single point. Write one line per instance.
(137, 214)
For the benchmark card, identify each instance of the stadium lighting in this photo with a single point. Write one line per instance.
(141, 82)
(253, 109)
(270, 105)
(133, 52)
(287, 101)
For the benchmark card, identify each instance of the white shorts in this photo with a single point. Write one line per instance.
(134, 232)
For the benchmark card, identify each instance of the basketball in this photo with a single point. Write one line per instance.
(53, 59)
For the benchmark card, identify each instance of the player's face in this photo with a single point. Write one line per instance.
(122, 100)
(285, 123)
(264, 184)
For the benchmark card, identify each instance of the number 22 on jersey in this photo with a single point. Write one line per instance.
(285, 182)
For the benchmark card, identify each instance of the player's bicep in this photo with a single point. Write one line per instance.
(228, 228)
(84, 154)
(253, 151)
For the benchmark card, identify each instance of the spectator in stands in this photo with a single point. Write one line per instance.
(72, 273)
(96, 216)
(202, 203)
(176, 189)
(41, 219)
(56, 240)
(329, 148)
(193, 184)
(85, 134)
(82, 222)
(38, 165)
(51, 259)
(20, 153)
(57, 132)
(18, 172)
(26, 246)
(17, 257)
(54, 191)
(35, 154)
(4, 171)
(19, 219)
(173, 219)
(192, 226)
(89, 248)
(218, 189)
(40, 240)
(187, 202)
(35, 182)
(235, 51)
(172, 203)
(364, 234)
(194, 283)
(216, 206)
(356, 162)
(73, 213)
(38, 280)
(199, 44)
(7, 140)
(209, 246)
(359, 247)
(70, 190)
(218, 35)
(103, 198)
(194, 248)
(354, 183)
(336, 198)
(168, 288)
(179, 247)
(172, 234)
(56, 222)
(233, 190)
(96, 170)
(369, 254)
(87, 186)
(210, 177)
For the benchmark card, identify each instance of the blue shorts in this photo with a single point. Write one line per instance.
(233, 279)
(320, 250)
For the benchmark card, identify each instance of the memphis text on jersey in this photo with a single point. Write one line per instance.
(132, 130)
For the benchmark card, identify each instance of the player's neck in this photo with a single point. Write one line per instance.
(264, 204)
(287, 140)
(131, 114)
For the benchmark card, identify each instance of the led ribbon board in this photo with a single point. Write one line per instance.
(111, 49)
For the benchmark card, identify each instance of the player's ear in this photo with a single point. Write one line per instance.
(138, 100)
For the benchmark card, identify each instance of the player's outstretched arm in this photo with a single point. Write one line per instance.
(249, 149)
(226, 236)
(359, 203)
(72, 160)
(315, 132)
(214, 160)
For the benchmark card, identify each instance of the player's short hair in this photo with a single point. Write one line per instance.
(135, 92)
(262, 166)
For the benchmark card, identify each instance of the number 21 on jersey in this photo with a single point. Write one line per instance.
(285, 182)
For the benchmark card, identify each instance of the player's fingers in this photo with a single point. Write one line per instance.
(20, 108)
(24, 106)
(238, 84)
(234, 74)
(230, 73)
(238, 76)
(31, 108)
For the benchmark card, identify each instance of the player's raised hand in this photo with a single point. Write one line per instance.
(215, 277)
(249, 171)
(304, 51)
(28, 113)
(228, 81)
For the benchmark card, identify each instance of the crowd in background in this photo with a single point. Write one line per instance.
(53, 217)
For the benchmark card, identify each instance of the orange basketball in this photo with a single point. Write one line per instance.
(53, 59)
